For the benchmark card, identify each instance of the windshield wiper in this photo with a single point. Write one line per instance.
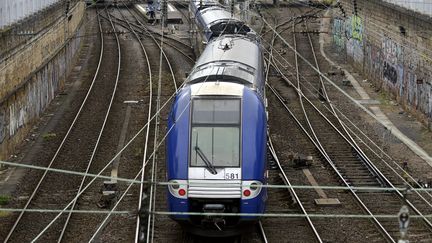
(210, 167)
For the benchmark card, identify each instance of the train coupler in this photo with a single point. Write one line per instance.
(216, 221)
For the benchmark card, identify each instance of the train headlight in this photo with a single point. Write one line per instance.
(178, 188)
(253, 186)
(251, 189)
(175, 186)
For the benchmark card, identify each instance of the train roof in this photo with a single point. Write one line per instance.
(234, 58)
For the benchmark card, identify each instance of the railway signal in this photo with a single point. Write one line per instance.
(403, 223)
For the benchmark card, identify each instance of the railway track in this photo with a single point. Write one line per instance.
(350, 163)
(149, 227)
(132, 156)
(74, 153)
(314, 126)
(67, 227)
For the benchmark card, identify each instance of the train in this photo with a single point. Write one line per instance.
(216, 147)
(212, 19)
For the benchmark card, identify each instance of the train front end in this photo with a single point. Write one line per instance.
(216, 158)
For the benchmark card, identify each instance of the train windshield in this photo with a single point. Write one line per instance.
(215, 133)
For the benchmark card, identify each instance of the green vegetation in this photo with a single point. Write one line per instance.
(4, 200)
(48, 136)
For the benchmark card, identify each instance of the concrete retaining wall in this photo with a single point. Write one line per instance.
(30, 79)
(392, 47)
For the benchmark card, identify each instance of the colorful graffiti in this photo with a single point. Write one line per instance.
(392, 51)
(399, 64)
(339, 32)
(352, 29)
(356, 29)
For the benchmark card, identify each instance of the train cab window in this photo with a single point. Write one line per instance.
(215, 132)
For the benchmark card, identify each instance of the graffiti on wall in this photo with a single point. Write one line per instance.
(356, 28)
(392, 51)
(402, 66)
(339, 33)
(390, 73)
(349, 34)
(393, 57)
(375, 59)
(411, 58)
(2, 125)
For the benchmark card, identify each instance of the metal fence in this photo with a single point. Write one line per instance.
(422, 6)
(12, 11)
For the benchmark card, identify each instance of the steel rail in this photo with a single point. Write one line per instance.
(353, 146)
(339, 111)
(153, 189)
(100, 133)
(138, 230)
(387, 163)
(160, 47)
(132, 25)
(370, 165)
(286, 180)
(428, 223)
(109, 163)
(329, 161)
(262, 232)
(159, 34)
(301, 95)
(138, 223)
(11, 231)
(136, 177)
(360, 107)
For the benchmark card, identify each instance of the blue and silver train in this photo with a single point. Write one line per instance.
(216, 145)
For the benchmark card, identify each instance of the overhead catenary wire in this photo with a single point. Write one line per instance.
(107, 165)
(343, 115)
(166, 183)
(404, 171)
(386, 180)
(153, 154)
(292, 215)
(357, 103)
(65, 137)
(263, 215)
(11, 164)
(156, 114)
(102, 129)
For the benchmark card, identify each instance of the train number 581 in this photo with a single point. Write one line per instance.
(231, 176)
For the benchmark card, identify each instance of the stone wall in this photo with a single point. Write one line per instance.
(392, 47)
(14, 36)
(30, 78)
